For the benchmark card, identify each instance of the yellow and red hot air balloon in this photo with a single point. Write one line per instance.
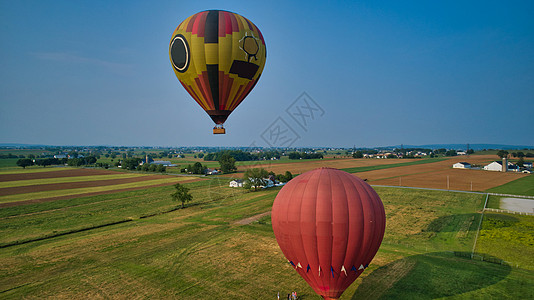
(218, 56)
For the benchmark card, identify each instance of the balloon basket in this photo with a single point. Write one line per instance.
(219, 130)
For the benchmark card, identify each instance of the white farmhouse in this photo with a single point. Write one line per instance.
(236, 183)
(462, 165)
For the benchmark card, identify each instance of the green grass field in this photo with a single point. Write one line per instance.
(508, 236)
(68, 248)
(522, 186)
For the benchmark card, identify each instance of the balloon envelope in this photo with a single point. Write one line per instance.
(218, 56)
(329, 225)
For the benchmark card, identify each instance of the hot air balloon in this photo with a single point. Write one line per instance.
(329, 225)
(218, 56)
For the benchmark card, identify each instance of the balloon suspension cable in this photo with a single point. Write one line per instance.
(219, 129)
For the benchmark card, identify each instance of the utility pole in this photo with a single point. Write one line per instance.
(447, 182)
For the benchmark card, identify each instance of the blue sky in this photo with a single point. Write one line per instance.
(373, 73)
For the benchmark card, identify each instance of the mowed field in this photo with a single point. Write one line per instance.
(37, 185)
(137, 245)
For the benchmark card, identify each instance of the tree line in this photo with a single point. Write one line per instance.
(304, 155)
(240, 155)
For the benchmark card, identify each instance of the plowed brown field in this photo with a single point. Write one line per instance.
(430, 175)
(434, 175)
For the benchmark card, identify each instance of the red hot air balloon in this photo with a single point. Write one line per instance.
(329, 225)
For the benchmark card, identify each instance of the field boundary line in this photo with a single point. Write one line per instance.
(510, 195)
(510, 211)
(479, 225)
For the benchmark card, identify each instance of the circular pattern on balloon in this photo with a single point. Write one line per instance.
(180, 53)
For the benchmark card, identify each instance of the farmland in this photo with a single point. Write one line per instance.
(137, 244)
(94, 233)
(37, 185)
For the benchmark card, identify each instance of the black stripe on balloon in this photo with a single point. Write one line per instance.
(213, 78)
(211, 30)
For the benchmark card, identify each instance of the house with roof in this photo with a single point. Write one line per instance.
(462, 165)
(236, 183)
(162, 162)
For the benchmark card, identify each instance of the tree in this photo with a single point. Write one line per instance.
(357, 154)
(197, 168)
(502, 154)
(254, 178)
(181, 194)
(24, 162)
(227, 163)
(451, 153)
(520, 162)
(130, 163)
(161, 169)
(288, 176)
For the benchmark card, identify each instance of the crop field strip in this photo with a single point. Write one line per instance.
(55, 180)
(41, 173)
(27, 187)
(95, 189)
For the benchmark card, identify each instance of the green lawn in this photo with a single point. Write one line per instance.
(521, 186)
(201, 253)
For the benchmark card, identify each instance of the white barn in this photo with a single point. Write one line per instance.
(494, 166)
(462, 165)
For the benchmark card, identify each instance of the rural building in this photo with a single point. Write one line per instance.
(211, 172)
(163, 162)
(462, 165)
(236, 183)
(494, 166)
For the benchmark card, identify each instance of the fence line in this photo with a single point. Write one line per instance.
(479, 225)
(510, 211)
(510, 195)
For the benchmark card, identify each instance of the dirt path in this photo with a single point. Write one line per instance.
(253, 218)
